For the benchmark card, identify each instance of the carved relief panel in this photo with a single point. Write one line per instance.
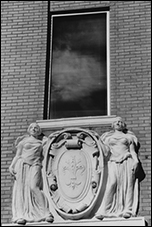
(74, 171)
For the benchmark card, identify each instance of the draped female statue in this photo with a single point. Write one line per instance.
(29, 203)
(121, 194)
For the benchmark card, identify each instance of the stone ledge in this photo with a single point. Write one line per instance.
(75, 122)
(137, 221)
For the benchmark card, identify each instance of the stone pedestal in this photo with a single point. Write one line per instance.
(137, 221)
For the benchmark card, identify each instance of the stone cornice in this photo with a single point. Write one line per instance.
(76, 122)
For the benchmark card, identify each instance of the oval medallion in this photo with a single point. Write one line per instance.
(74, 172)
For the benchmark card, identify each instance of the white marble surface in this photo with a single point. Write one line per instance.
(136, 221)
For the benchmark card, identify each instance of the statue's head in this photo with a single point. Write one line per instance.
(119, 124)
(34, 129)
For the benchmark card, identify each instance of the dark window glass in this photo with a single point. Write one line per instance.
(78, 66)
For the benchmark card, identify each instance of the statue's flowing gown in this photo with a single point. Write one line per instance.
(121, 194)
(28, 203)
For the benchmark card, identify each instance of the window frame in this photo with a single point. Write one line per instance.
(47, 95)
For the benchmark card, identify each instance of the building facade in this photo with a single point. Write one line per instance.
(25, 56)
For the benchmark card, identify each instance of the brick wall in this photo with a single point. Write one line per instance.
(23, 59)
(131, 76)
(24, 32)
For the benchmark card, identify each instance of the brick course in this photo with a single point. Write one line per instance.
(23, 57)
(23, 60)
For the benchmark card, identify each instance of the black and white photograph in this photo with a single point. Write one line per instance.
(75, 113)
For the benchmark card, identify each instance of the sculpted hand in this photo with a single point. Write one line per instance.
(135, 166)
(12, 171)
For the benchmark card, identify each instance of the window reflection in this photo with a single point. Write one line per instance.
(78, 76)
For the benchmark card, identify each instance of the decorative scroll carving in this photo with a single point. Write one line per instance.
(74, 173)
(73, 143)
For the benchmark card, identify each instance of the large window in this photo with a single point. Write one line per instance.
(79, 65)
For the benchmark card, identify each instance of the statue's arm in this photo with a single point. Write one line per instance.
(104, 145)
(18, 154)
(134, 156)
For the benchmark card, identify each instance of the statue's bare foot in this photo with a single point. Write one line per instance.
(50, 218)
(126, 215)
(21, 221)
(99, 216)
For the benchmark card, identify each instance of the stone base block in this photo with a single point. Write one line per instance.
(137, 221)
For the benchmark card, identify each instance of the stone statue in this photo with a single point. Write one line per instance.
(29, 203)
(121, 195)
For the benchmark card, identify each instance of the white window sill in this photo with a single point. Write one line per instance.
(76, 122)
